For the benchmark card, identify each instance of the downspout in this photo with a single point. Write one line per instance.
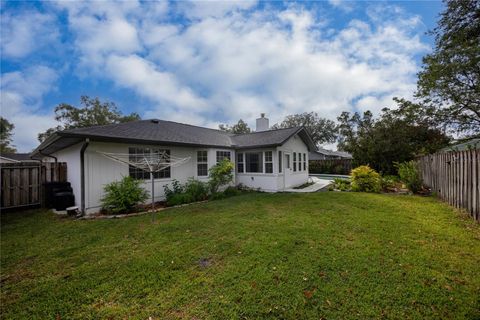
(82, 175)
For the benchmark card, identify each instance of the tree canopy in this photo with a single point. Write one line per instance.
(6, 129)
(92, 113)
(396, 136)
(240, 127)
(322, 130)
(449, 79)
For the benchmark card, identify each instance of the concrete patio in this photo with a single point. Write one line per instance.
(318, 184)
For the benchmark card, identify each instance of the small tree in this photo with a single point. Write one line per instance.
(409, 174)
(122, 196)
(6, 129)
(220, 174)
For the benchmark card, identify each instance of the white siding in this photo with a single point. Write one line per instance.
(71, 156)
(272, 182)
(264, 181)
(291, 178)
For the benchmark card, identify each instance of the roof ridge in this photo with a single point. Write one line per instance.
(254, 132)
(104, 125)
(191, 125)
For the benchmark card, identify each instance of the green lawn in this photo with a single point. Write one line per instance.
(278, 256)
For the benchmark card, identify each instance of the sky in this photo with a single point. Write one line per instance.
(211, 62)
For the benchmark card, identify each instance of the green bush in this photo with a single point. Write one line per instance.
(389, 182)
(341, 184)
(365, 179)
(193, 190)
(122, 196)
(179, 198)
(409, 174)
(198, 190)
(220, 175)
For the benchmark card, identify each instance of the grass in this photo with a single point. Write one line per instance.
(275, 256)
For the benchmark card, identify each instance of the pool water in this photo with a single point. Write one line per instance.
(330, 176)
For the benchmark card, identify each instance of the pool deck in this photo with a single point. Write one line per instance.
(317, 186)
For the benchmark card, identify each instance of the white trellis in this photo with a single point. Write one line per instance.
(151, 162)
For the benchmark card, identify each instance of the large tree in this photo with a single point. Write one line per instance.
(397, 135)
(6, 129)
(240, 127)
(450, 76)
(91, 113)
(322, 130)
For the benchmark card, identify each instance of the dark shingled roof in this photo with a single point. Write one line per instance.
(264, 138)
(156, 131)
(169, 133)
(17, 156)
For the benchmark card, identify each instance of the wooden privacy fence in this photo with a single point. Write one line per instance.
(330, 166)
(454, 176)
(22, 183)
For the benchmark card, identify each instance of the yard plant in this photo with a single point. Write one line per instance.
(331, 255)
(122, 196)
(410, 175)
(365, 179)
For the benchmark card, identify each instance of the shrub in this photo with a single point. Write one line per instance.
(341, 184)
(389, 182)
(122, 196)
(365, 179)
(409, 174)
(198, 190)
(193, 190)
(220, 174)
(179, 198)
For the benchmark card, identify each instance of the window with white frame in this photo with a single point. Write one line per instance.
(136, 154)
(223, 155)
(268, 162)
(253, 162)
(240, 163)
(280, 162)
(305, 162)
(294, 161)
(202, 163)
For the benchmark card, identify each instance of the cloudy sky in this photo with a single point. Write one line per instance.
(207, 63)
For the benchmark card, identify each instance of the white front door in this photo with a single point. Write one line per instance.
(287, 169)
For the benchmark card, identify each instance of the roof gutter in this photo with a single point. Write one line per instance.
(82, 175)
(47, 155)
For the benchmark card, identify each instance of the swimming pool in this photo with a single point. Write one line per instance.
(330, 176)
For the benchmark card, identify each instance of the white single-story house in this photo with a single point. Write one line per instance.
(271, 160)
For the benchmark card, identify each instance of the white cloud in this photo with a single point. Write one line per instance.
(24, 33)
(211, 8)
(344, 5)
(231, 60)
(137, 73)
(20, 103)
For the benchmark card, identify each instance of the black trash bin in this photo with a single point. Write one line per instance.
(59, 195)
